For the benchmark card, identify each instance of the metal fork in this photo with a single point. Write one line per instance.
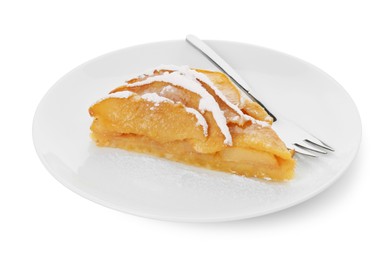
(294, 136)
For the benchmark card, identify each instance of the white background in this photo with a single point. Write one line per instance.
(43, 40)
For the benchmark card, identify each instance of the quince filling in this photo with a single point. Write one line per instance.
(197, 117)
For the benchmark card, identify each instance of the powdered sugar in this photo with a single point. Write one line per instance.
(201, 120)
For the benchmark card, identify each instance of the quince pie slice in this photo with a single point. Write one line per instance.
(193, 116)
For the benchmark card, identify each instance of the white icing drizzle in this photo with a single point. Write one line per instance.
(255, 121)
(219, 93)
(121, 94)
(193, 74)
(155, 98)
(187, 78)
(201, 120)
(206, 103)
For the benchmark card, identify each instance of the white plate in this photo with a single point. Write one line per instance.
(156, 188)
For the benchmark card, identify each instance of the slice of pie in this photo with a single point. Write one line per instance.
(193, 116)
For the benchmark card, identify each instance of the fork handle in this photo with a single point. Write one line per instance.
(225, 67)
